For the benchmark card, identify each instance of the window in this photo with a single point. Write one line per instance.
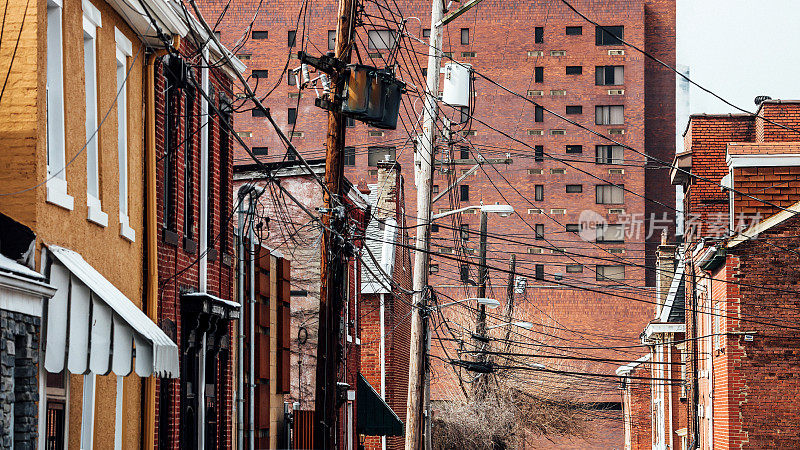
(331, 40)
(574, 188)
(224, 170)
(538, 74)
(463, 270)
(574, 31)
(255, 112)
(260, 151)
(538, 114)
(434, 228)
(349, 156)
(609, 115)
(381, 39)
(610, 233)
(291, 116)
(170, 146)
(574, 109)
(538, 153)
(426, 32)
(538, 35)
(574, 70)
(538, 193)
(608, 154)
(464, 231)
(539, 272)
(350, 122)
(609, 35)
(124, 51)
(539, 231)
(610, 273)
(464, 113)
(262, 73)
(433, 268)
(465, 36)
(291, 38)
(291, 78)
(435, 189)
(574, 268)
(188, 152)
(464, 152)
(56, 156)
(464, 192)
(91, 21)
(376, 154)
(573, 228)
(260, 34)
(609, 194)
(574, 149)
(609, 75)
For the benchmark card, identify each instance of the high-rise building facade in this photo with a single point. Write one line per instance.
(589, 205)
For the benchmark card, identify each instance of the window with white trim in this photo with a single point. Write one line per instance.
(91, 21)
(56, 156)
(124, 51)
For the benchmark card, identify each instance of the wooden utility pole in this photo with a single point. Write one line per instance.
(510, 298)
(332, 264)
(417, 362)
(480, 327)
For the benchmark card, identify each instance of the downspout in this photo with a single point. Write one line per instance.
(383, 357)
(252, 305)
(240, 328)
(711, 367)
(669, 375)
(695, 383)
(151, 233)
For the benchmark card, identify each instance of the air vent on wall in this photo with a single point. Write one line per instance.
(616, 131)
(558, 52)
(535, 171)
(616, 52)
(616, 92)
(535, 53)
(535, 132)
(533, 93)
(616, 171)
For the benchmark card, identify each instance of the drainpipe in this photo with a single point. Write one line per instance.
(151, 233)
(252, 304)
(383, 358)
(695, 354)
(240, 327)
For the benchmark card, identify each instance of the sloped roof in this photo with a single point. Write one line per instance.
(674, 303)
(377, 242)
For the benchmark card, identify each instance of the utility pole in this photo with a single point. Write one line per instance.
(480, 327)
(419, 312)
(332, 262)
(510, 297)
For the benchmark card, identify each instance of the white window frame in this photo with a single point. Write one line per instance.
(124, 51)
(91, 22)
(56, 146)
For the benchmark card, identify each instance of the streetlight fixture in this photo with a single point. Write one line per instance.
(501, 210)
(487, 302)
(516, 323)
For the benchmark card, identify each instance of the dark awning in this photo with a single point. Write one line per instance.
(375, 417)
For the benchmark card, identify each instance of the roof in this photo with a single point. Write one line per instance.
(10, 266)
(764, 225)
(681, 161)
(88, 313)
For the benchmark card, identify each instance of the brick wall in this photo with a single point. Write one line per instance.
(178, 253)
(19, 387)
(637, 412)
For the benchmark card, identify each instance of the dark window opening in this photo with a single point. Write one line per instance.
(538, 74)
(170, 148)
(574, 188)
(464, 152)
(376, 154)
(609, 35)
(574, 31)
(260, 34)
(574, 109)
(538, 114)
(573, 228)
(188, 150)
(574, 149)
(291, 116)
(331, 40)
(291, 78)
(464, 272)
(261, 73)
(434, 228)
(574, 268)
(291, 37)
(538, 153)
(464, 192)
(538, 35)
(350, 122)
(609, 75)
(255, 112)
(464, 231)
(426, 32)
(465, 36)
(539, 272)
(224, 170)
(260, 151)
(574, 70)
(538, 193)
(349, 156)
(539, 231)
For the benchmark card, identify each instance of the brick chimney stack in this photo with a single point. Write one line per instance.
(387, 187)
(665, 270)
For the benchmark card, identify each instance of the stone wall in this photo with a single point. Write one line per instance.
(19, 346)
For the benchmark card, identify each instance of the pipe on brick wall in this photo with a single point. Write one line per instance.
(151, 233)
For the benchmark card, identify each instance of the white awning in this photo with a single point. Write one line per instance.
(92, 327)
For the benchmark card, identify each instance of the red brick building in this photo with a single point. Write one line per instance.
(195, 246)
(742, 275)
(546, 53)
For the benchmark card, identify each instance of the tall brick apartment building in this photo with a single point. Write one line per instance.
(542, 51)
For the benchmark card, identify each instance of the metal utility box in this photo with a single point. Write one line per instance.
(456, 84)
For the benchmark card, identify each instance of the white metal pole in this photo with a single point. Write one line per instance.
(251, 312)
(240, 327)
(425, 157)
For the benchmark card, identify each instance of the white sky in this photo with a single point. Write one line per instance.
(739, 49)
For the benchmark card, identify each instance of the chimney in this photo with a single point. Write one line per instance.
(665, 270)
(761, 99)
(387, 187)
